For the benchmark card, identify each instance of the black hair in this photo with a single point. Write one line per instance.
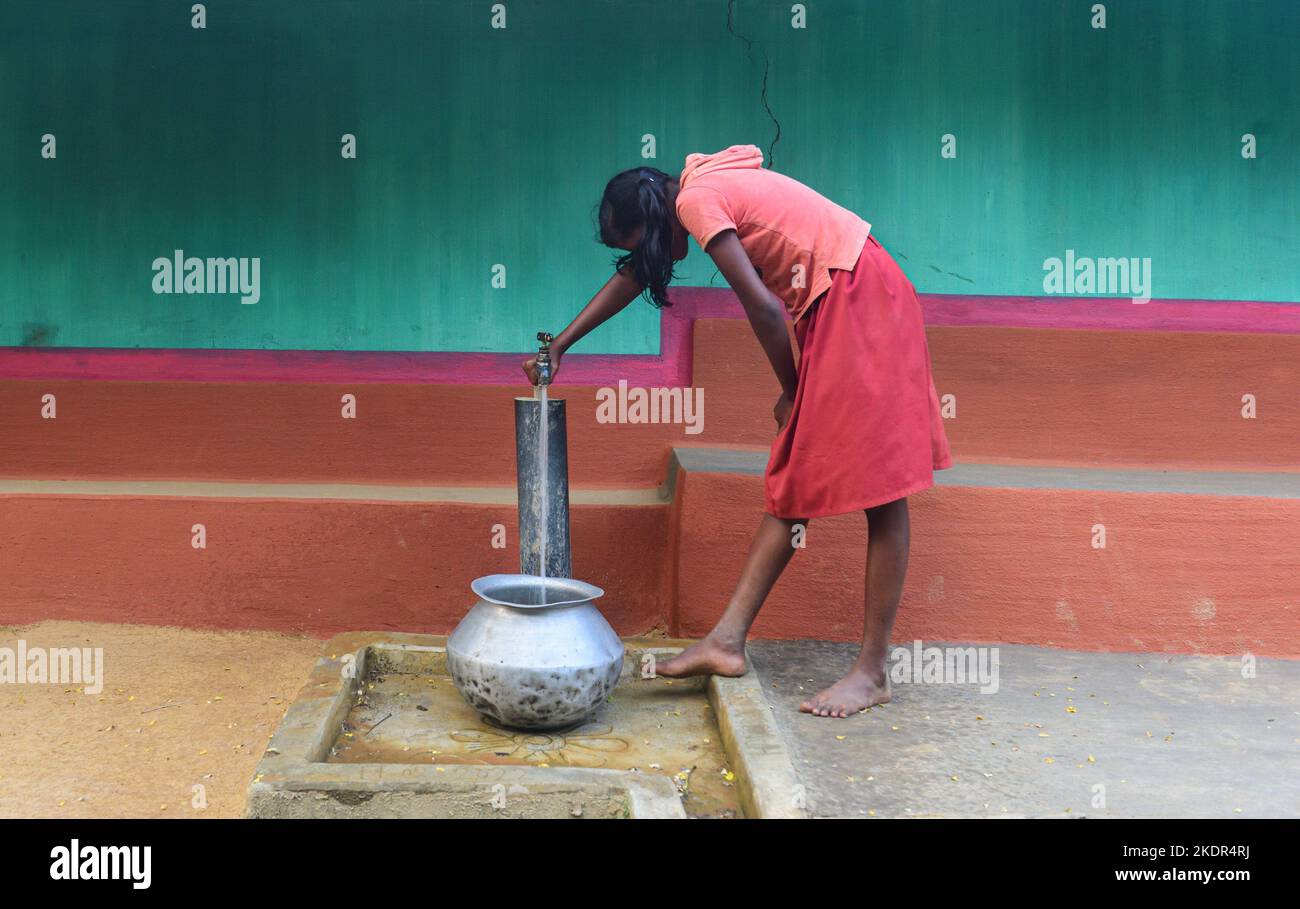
(639, 198)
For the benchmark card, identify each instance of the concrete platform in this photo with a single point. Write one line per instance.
(380, 731)
(1148, 736)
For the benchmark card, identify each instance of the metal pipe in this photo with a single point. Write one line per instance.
(529, 466)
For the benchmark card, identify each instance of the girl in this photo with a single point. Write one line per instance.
(858, 424)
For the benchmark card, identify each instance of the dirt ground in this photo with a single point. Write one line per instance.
(177, 730)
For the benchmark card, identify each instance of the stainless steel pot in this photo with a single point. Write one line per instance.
(533, 661)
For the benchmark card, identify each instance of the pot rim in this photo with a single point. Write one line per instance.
(489, 588)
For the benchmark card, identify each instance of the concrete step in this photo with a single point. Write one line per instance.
(1194, 562)
(302, 558)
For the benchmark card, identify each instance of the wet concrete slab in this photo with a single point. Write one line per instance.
(380, 730)
(407, 711)
(1065, 734)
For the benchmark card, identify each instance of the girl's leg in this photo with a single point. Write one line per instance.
(722, 652)
(867, 683)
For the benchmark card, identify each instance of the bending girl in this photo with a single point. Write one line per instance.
(858, 422)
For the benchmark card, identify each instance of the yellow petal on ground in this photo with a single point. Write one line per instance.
(1067, 709)
(1091, 759)
(1049, 760)
(838, 738)
(954, 778)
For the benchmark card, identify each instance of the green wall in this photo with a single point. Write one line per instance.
(480, 146)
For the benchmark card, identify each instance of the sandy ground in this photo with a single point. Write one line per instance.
(177, 730)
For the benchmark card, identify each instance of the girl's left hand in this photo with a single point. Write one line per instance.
(782, 411)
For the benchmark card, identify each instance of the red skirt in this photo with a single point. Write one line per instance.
(865, 428)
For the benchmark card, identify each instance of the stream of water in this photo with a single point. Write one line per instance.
(543, 487)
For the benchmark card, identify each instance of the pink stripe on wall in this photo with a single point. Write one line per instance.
(1114, 313)
(671, 367)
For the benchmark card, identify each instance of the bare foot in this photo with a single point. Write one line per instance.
(708, 657)
(857, 691)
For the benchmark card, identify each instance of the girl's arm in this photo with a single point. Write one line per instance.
(765, 311)
(620, 290)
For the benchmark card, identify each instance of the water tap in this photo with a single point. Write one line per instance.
(544, 358)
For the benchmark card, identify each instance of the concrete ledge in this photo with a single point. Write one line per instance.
(1194, 561)
(1086, 559)
(769, 786)
(296, 777)
(293, 779)
(743, 461)
(1266, 484)
(319, 492)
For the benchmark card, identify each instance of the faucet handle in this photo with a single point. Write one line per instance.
(544, 358)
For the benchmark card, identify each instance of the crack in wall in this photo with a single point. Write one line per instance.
(952, 274)
(767, 66)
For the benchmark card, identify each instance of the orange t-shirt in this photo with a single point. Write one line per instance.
(794, 236)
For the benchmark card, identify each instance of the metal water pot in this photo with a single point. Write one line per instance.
(532, 661)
